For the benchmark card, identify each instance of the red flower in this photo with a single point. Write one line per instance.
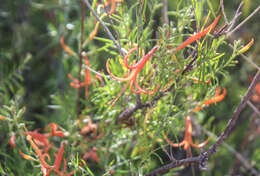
(76, 84)
(198, 35)
(187, 141)
(12, 141)
(66, 48)
(40, 139)
(92, 154)
(2, 118)
(113, 5)
(256, 96)
(217, 98)
(134, 71)
(39, 153)
(54, 130)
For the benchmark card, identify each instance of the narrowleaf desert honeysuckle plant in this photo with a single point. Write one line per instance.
(142, 87)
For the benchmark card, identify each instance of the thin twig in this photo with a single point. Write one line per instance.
(239, 157)
(242, 148)
(122, 52)
(80, 50)
(237, 14)
(223, 11)
(94, 71)
(244, 21)
(254, 108)
(112, 24)
(237, 112)
(165, 18)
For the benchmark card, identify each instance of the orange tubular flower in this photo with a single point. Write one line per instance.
(113, 5)
(2, 118)
(92, 154)
(66, 48)
(135, 70)
(59, 158)
(58, 161)
(40, 139)
(12, 141)
(24, 156)
(76, 84)
(256, 95)
(217, 98)
(245, 48)
(54, 130)
(39, 153)
(187, 142)
(198, 35)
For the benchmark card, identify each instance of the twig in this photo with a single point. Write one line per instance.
(112, 24)
(239, 157)
(223, 11)
(254, 108)
(80, 50)
(244, 21)
(170, 156)
(174, 164)
(165, 18)
(106, 29)
(237, 112)
(237, 14)
(242, 148)
(94, 71)
(203, 158)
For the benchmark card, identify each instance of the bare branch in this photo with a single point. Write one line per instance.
(237, 112)
(254, 108)
(239, 157)
(165, 18)
(223, 11)
(106, 29)
(237, 14)
(244, 21)
(80, 56)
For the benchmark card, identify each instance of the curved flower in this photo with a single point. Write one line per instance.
(135, 69)
(217, 98)
(54, 130)
(75, 82)
(187, 141)
(245, 48)
(113, 5)
(67, 49)
(2, 118)
(198, 35)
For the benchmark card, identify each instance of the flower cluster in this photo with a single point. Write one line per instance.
(136, 68)
(41, 145)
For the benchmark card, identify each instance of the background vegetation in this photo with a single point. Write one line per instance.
(35, 89)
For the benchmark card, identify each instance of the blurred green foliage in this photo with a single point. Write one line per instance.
(34, 69)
